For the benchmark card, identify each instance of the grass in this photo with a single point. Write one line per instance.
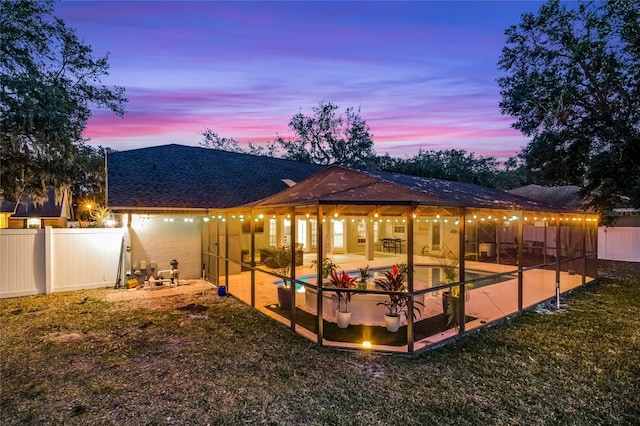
(72, 358)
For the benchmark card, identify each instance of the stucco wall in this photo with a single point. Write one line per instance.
(152, 239)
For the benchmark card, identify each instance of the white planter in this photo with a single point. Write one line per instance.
(343, 319)
(392, 323)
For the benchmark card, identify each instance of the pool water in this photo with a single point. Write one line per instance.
(431, 274)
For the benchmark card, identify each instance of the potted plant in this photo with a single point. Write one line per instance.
(343, 281)
(279, 258)
(327, 266)
(397, 303)
(364, 276)
(451, 298)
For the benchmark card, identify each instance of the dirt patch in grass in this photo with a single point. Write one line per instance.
(85, 358)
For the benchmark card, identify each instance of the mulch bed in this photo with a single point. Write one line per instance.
(359, 333)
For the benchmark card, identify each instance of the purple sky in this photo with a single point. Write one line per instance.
(422, 73)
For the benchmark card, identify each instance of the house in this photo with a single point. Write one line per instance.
(163, 193)
(216, 212)
(54, 212)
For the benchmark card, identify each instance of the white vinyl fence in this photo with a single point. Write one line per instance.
(37, 261)
(619, 244)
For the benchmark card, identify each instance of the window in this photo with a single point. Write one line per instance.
(314, 233)
(338, 234)
(301, 235)
(273, 237)
(33, 223)
(435, 236)
(362, 232)
(399, 229)
(287, 232)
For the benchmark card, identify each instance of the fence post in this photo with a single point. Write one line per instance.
(48, 259)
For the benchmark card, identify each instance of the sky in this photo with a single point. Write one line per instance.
(423, 74)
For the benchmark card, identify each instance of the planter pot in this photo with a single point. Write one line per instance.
(362, 284)
(392, 322)
(343, 319)
(445, 303)
(284, 298)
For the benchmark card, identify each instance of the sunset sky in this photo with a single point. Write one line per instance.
(422, 73)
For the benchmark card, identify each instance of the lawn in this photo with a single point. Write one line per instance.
(73, 358)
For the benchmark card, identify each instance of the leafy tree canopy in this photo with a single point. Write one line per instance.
(572, 83)
(50, 81)
(329, 138)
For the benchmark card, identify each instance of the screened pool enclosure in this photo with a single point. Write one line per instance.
(465, 256)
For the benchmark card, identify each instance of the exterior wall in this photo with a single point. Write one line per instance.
(37, 261)
(16, 223)
(154, 240)
(4, 220)
(20, 223)
(617, 243)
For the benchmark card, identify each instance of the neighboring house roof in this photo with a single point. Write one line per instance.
(560, 197)
(340, 185)
(52, 208)
(175, 177)
(7, 206)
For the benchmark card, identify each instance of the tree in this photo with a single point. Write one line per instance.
(50, 81)
(457, 165)
(212, 140)
(571, 82)
(329, 138)
(88, 179)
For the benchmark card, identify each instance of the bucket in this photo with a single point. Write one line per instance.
(222, 290)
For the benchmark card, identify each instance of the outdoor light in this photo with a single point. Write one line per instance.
(375, 214)
(366, 344)
(414, 216)
(166, 219)
(489, 217)
(170, 219)
(438, 216)
(261, 216)
(475, 217)
(334, 215)
(186, 219)
(206, 219)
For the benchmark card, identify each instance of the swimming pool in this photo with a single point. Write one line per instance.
(431, 275)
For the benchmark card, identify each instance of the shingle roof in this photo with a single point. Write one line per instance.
(558, 196)
(51, 208)
(340, 185)
(184, 177)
